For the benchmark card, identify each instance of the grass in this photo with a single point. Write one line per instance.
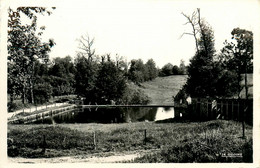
(161, 89)
(170, 142)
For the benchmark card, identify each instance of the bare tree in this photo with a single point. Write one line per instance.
(201, 31)
(193, 21)
(86, 45)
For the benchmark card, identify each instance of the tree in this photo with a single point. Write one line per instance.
(86, 65)
(167, 70)
(85, 77)
(62, 73)
(24, 48)
(193, 21)
(137, 71)
(110, 83)
(207, 77)
(201, 79)
(176, 70)
(238, 55)
(151, 69)
(182, 69)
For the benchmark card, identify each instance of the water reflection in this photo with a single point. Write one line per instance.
(112, 115)
(164, 113)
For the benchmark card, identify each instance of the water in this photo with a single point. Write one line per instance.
(113, 115)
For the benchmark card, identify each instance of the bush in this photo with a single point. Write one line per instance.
(135, 96)
(13, 106)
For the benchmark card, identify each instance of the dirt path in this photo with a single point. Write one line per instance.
(116, 157)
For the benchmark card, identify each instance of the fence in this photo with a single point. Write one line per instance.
(229, 109)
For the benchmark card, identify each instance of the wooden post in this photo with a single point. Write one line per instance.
(232, 110)
(238, 115)
(207, 108)
(145, 137)
(199, 108)
(243, 119)
(44, 144)
(227, 103)
(221, 108)
(94, 140)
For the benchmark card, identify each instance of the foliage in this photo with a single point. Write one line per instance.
(175, 70)
(42, 92)
(167, 70)
(24, 48)
(135, 96)
(110, 83)
(140, 72)
(86, 76)
(207, 75)
(62, 74)
(182, 68)
(237, 56)
(137, 71)
(151, 68)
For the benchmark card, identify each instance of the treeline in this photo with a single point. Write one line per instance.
(34, 78)
(170, 69)
(100, 80)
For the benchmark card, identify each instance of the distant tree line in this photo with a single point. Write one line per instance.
(170, 69)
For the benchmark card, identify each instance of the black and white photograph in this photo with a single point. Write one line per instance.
(126, 82)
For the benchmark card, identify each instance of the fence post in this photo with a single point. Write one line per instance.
(243, 119)
(199, 109)
(221, 108)
(227, 113)
(145, 137)
(207, 108)
(238, 114)
(232, 109)
(44, 144)
(94, 140)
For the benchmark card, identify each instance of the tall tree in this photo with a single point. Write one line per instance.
(24, 48)
(151, 69)
(110, 83)
(207, 77)
(85, 77)
(201, 79)
(137, 71)
(86, 65)
(238, 55)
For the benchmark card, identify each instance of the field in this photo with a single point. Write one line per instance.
(164, 142)
(161, 89)
(170, 141)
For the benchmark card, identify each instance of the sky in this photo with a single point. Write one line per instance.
(142, 29)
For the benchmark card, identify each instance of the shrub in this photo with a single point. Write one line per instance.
(13, 106)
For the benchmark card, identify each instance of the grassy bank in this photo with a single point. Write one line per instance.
(161, 89)
(170, 142)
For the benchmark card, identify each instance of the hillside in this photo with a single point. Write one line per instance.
(161, 89)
